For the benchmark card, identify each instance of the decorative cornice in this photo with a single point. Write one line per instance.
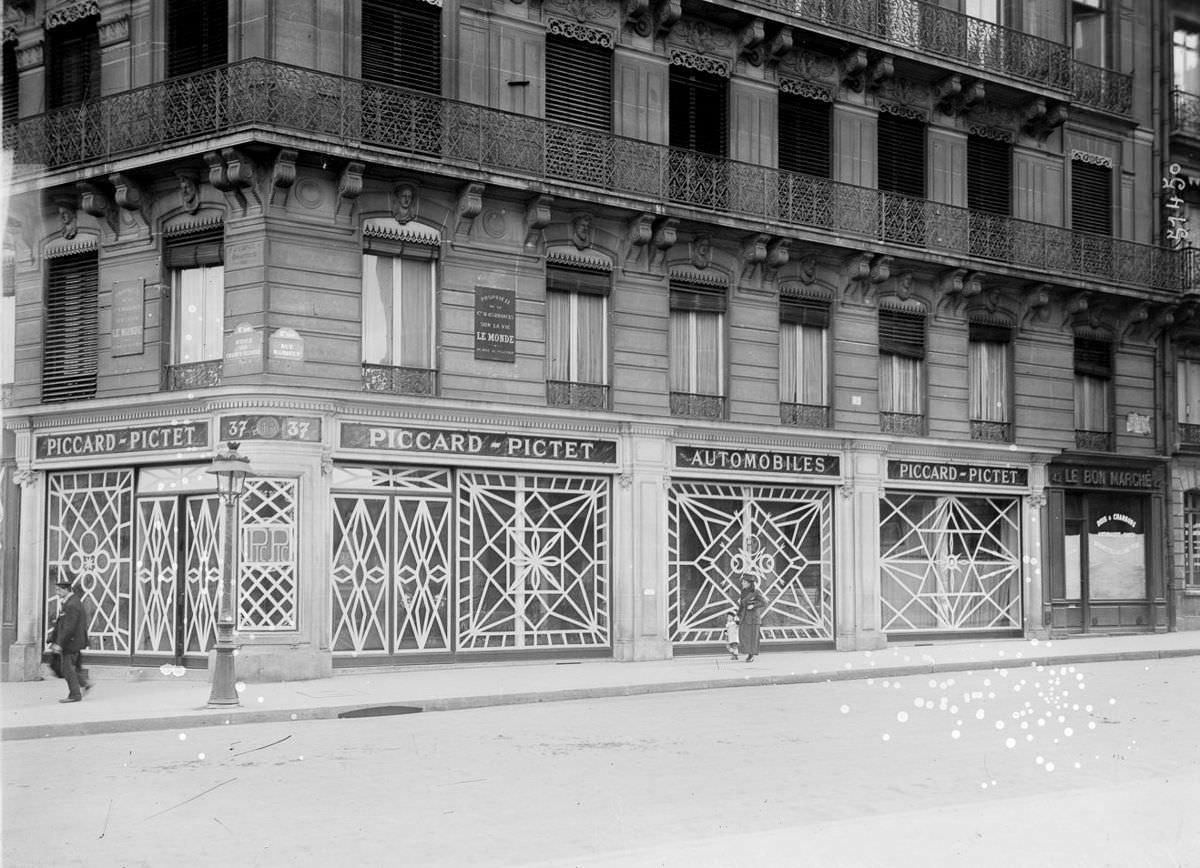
(569, 255)
(809, 66)
(81, 243)
(1092, 159)
(72, 12)
(30, 56)
(581, 32)
(189, 224)
(392, 229)
(905, 111)
(707, 277)
(809, 89)
(115, 31)
(701, 62)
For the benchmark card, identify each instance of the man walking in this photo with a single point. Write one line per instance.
(70, 638)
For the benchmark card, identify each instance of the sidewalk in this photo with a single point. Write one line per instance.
(116, 704)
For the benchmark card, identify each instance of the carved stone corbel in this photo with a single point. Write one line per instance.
(470, 206)
(953, 98)
(854, 66)
(240, 173)
(640, 230)
(878, 71)
(750, 41)
(956, 287)
(1040, 119)
(778, 46)
(1036, 305)
(1133, 321)
(129, 194)
(778, 253)
(864, 272)
(754, 254)
(283, 175)
(667, 14)
(537, 218)
(662, 240)
(350, 186)
(1076, 308)
(95, 198)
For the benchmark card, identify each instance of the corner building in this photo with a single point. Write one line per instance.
(542, 322)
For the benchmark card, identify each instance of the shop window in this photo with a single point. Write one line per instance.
(989, 374)
(195, 265)
(1187, 408)
(1093, 394)
(401, 44)
(399, 320)
(1089, 21)
(804, 362)
(577, 338)
(11, 84)
(1185, 63)
(73, 63)
(805, 139)
(901, 372)
(197, 35)
(69, 341)
(578, 83)
(696, 336)
(1191, 538)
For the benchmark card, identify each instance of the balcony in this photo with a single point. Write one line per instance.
(804, 415)
(194, 375)
(582, 396)
(1189, 435)
(276, 102)
(1094, 441)
(1185, 113)
(908, 424)
(995, 432)
(398, 380)
(697, 406)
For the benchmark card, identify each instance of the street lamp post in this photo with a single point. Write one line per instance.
(231, 470)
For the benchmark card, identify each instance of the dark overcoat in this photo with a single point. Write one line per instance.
(750, 611)
(70, 629)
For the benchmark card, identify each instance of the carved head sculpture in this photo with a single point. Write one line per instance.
(581, 231)
(701, 251)
(67, 218)
(189, 190)
(404, 203)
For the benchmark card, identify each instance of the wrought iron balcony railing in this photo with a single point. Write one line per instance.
(455, 136)
(1185, 112)
(1189, 435)
(1104, 89)
(194, 375)
(804, 415)
(398, 380)
(911, 424)
(585, 396)
(1094, 441)
(999, 432)
(697, 406)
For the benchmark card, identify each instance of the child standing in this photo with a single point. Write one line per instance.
(731, 635)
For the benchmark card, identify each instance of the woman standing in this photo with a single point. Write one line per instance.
(750, 609)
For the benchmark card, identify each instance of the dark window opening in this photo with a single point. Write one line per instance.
(12, 88)
(578, 83)
(804, 135)
(73, 66)
(699, 113)
(401, 44)
(989, 175)
(901, 155)
(69, 342)
(1091, 198)
(197, 35)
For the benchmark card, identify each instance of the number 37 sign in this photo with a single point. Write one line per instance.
(271, 428)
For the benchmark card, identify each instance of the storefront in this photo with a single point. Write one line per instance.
(1107, 538)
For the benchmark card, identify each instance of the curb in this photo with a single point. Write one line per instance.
(461, 703)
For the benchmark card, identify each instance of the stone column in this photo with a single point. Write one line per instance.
(1033, 525)
(25, 655)
(639, 558)
(857, 580)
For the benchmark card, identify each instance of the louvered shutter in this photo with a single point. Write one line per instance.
(699, 111)
(901, 155)
(12, 88)
(1091, 198)
(1093, 358)
(578, 83)
(989, 175)
(578, 280)
(194, 251)
(697, 296)
(69, 357)
(804, 312)
(401, 44)
(990, 333)
(804, 135)
(902, 333)
(197, 35)
(74, 64)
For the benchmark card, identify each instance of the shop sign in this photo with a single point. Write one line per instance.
(760, 461)
(287, 344)
(1073, 476)
(260, 427)
(957, 474)
(495, 324)
(153, 438)
(484, 443)
(128, 317)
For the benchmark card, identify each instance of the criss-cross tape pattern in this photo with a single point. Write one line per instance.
(204, 560)
(267, 574)
(154, 609)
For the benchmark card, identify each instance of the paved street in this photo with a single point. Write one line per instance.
(1095, 764)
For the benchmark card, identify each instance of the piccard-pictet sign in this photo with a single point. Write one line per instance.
(392, 438)
(957, 474)
(150, 438)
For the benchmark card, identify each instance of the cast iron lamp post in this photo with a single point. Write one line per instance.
(231, 470)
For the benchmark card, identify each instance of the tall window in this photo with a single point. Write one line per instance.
(805, 141)
(1191, 538)
(577, 337)
(1093, 402)
(69, 339)
(398, 325)
(1090, 31)
(73, 63)
(1185, 62)
(1187, 380)
(12, 82)
(989, 175)
(197, 35)
(197, 275)
(578, 83)
(989, 372)
(1091, 197)
(697, 332)
(900, 149)
(804, 362)
(901, 372)
(401, 44)
(699, 113)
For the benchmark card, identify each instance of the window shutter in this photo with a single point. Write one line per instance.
(699, 111)
(74, 65)
(1091, 198)
(902, 333)
(197, 35)
(901, 154)
(1093, 358)
(990, 333)
(401, 44)
(804, 312)
(69, 356)
(697, 296)
(193, 251)
(804, 135)
(578, 280)
(12, 88)
(989, 175)
(578, 83)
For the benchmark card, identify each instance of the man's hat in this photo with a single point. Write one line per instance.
(66, 583)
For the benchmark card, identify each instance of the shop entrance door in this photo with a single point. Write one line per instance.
(1103, 585)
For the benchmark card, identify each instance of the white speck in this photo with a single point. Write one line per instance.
(845, 709)
(955, 734)
(1040, 760)
(886, 737)
(1068, 732)
(293, 717)
(260, 699)
(240, 686)
(980, 714)
(1049, 767)
(902, 717)
(999, 724)
(919, 702)
(1112, 702)
(1010, 742)
(183, 736)
(199, 756)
